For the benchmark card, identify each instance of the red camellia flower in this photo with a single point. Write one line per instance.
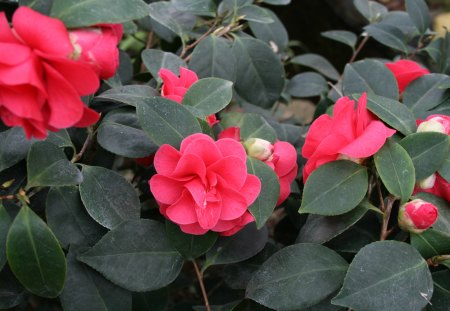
(406, 71)
(417, 216)
(435, 123)
(40, 82)
(175, 87)
(205, 185)
(349, 134)
(97, 46)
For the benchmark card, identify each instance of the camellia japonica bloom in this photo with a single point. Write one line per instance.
(205, 185)
(350, 133)
(42, 75)
(417, 216)
(175, 87)
(406, 71)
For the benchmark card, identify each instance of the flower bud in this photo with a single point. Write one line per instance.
(258, 148)
(435, 123)
(427, 183)
(417, 216)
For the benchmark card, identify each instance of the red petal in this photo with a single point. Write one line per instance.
(13, 53)
(232, 170)
(166, 160)
(194, 138)
(182, 211)
(22, 101)
(204, 149)
(6, 34)
(233, 132)
(230, 147)
(208, 215)
(319, 129)
(190, 166)
(233, 204)
(165, 189)
(251, 189)
(193, 229)
(245, 219)
(89, 117)
(187, 77)
(287, 157)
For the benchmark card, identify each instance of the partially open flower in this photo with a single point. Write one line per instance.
(435, 123)
(417, 216)
(259, 148)
(405, 71)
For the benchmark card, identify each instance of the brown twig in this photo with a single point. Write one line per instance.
(86, 144)
(380, 195)
(202, 286)
(387, 214)
(194, 44)
(359, 48)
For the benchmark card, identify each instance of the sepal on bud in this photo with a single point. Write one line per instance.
(259, 148)
(417, 216)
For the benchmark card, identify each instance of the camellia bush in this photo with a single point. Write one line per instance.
(146, 162)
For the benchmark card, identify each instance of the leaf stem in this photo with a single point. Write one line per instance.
(194, 44)
(202, 286)
(86, 144)
(359, 48)
(387, 214)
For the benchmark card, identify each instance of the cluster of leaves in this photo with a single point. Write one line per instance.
(78, 222)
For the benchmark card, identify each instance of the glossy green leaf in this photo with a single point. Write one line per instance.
(334, 188)
(406, 283)
(444, 171)
(259, 72)
(315, 269)
(47, 165)
(68, 218)
(14, 148)
(402, 21)
(427, 150)
(443, 222)
(343, 36)
(213, 57)
(371, 10)
(61, 139)
(426, 92)
(271, 33)
(167, 15)
(42, 6)
(277, 2)
(431, 243)
(267, 199)
(320, 229)
(108, 197)
(165, 121)
(85, 289)
(318, 63)
(255, 14)
(388, 35)
(198, 7)
(393, 113)
(241, 246)
(79, 13)
(34, 255)
(396, 170)
(369, 76)
(154, 60)
(120, 133)
(128, 94)
(188, 245)
(208, 96)
(441, 296)
(232, 6)
(419, 13)
(307, 84)
(252, 125)
(5, 222)
(136, 255)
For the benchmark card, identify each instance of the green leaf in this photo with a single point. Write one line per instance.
(426, 92)
(128, 94)
(197, 7)
(396, 170)
(277, 2)
(334, 188)
(85, 289)
(80, 13)
(252, 125)
(5, 222)
(14, 148)
(47, 165)
(41, 6)
(444, 171)
(255, 14)
(120, 133)
(318, 63)
(431, 243)
(343, 36)
(371, 10)
(136, 255)
(232, 6)
(419, 13)
(307, 84)
(320, 229)
(108, 197)
(388, 35)
(393, 113)
(241, 246)
(315, 269)
(369, 76)
(267, 199)
(68, 219)
(259, 72)
(61, 139)
(154, 60)
(34, 255)
(11, 292)
(208, 96)
(272, 33)
(167, 15)
(213, 57)
(165, 121)
(443, 222)
(441, 296)
(427, 150)
(405, 284)
(188, 245)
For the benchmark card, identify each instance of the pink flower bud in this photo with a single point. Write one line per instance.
(435, 123)
(258, 148)
(417, 216)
